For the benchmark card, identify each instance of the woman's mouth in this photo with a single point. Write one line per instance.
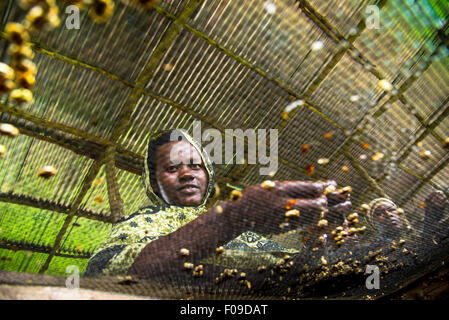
(189, 189)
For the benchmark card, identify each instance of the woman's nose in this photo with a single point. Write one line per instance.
(185, 171)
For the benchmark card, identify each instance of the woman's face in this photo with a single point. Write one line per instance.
(180, 174)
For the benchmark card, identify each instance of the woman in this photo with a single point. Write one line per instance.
(179, 179)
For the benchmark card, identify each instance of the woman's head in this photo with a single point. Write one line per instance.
(178, 174)
(180, 177)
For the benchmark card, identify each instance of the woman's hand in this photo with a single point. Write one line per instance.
(387, 216)
(274, 207)
(436, 220)
(435, 204)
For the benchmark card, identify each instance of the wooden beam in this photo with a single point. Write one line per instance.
(51, 206)
(24, 246)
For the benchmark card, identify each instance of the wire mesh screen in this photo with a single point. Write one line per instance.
(317, 134)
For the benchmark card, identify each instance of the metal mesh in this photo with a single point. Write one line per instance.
(102, 90)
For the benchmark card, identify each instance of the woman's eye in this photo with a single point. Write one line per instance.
(171, 169)
(195, 166)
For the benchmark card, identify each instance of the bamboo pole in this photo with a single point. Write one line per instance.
(115, 201)
(18, 245)
(85, 186)
(50, 206)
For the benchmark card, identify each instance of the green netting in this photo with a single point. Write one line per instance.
(31, 225)
(66, 266)
(22, 261)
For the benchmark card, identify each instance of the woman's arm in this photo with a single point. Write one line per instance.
(259, 209)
